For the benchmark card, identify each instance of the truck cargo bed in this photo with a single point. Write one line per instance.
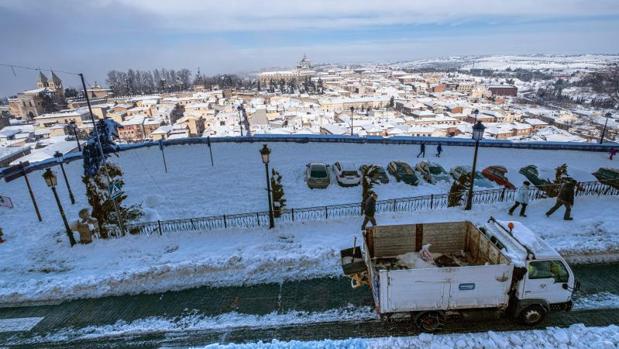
(466, 271)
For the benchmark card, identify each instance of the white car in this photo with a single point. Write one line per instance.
(346, 174)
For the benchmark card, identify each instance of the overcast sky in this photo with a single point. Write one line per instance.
(95, 36)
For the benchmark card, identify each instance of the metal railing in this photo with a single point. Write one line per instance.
(321, 213)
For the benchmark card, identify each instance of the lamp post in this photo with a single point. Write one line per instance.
(265, 152)
(73, 128)
(476, 113)
(478, 135)
(60, 160)
(51, 181)
(608, 115)
(352, 119)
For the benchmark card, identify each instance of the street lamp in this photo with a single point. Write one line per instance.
(476, 113)
(352, 119)
(60, 160)
(478, 135)
(608, 115)
(73, 127)
(52, 181)
(265, 152)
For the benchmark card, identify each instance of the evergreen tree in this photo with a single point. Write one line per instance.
(368, 179)
(103, 206)
(100, 176)
(457, 190)
(277, 193)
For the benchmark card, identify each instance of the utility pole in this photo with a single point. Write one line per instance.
(352, 118)
(608, 115)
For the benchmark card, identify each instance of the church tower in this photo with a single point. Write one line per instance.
(56, 85)
(42, 82)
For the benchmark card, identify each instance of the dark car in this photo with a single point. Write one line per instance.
(380, 174)
(498, 174)
(403, 172)
(608, 176)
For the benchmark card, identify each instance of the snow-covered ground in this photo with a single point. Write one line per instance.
(195, 321)
(37, 263)
(40, 270)
(574, 337)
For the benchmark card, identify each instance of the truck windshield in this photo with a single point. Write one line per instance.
(548, 270)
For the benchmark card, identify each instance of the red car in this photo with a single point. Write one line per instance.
(498, 174)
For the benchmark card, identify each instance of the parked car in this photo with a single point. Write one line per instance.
(431, 172)
(379, 174)
(608, 176)
(498, 174)
(545, 185)
(480, 181)
(346, 174)
(403, 172)
(532, 175)
(317, 175)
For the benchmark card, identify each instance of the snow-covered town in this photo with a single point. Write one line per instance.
(326, 175)
(503, 92)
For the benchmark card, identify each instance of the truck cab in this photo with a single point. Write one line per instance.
(548, 281)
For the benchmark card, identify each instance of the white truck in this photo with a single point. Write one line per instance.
(436, 272)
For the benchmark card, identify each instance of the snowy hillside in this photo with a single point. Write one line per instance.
(556, 63)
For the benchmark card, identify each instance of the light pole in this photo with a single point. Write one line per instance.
(608, 115)
(60, 160)
(478, 135)
(352, 118)
(476, 113)
(73, 127)
(265, 152)
(51, 181)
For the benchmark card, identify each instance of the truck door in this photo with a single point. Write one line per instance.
(546, 280)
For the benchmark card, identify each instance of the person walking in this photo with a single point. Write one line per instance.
(565, 198)
(422, 150)
(369, 209)
(612, 153)
(522, 199)
(439, 150)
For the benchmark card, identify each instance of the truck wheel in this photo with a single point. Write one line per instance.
(532, 315)
(429, 321)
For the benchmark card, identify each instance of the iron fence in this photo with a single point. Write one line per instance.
(320, 213)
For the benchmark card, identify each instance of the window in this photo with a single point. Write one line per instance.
(547, 270)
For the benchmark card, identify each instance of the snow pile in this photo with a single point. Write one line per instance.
(195, 322)
(573, 337)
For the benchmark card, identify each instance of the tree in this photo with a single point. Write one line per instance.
(100, 176)
(277, 193)
(392, 102)
(70, 92)
(104, 208)
(368, 179)
(457, 190)
(48, 102)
